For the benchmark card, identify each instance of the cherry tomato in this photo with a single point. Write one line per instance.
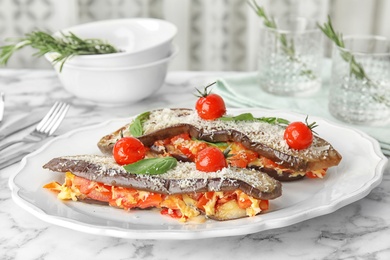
(210, 106)
(298, 135)
(210, 159)
(128, 150)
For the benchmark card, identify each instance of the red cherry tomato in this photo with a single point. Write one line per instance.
(128, 150)
(298, 135)
(210, 106)
(210, 159)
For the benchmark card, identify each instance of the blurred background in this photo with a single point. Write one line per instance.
(212, 35)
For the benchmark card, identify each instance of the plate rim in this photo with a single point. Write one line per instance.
(73, 224)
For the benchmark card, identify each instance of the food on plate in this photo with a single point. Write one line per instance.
(196, 162)
(257, 143)
(210, 106)
(299, 135)
(178, 190)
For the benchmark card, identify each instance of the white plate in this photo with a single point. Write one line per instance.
(358, 173)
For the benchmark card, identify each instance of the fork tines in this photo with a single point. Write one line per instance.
(53, 118)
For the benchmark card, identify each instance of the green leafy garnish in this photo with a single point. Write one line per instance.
(152, 166)
(216, 144)
(136, 128)
(250, 117)
(66, 46)
(241, 117)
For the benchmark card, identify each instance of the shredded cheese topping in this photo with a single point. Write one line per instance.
(260, 132)
(185, 173)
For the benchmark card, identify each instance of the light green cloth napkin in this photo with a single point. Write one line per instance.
(243, 91)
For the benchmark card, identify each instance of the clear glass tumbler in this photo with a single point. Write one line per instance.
(290, 57)
(360, 84)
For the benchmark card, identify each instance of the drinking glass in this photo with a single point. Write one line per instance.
(290, 57)
(360, 81)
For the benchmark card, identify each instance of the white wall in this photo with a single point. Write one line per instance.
(213, 35)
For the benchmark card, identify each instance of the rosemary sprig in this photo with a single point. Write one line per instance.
(287, 47)
(67, 46)
(355, 68)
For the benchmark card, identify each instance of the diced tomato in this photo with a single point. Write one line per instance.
(243, 200)
(190, 148)
(241, 156)
(92, 189)
(161, 142)
(124, 197)
(54, 186)
(318, 174)
(238, 161)
(171, 201)
(269, 163)
(184, 136)
(82, 184)
(227, 196)
(204, 199)
(151, 200)
(264, 204)
(199, 146)
(100, 194)
(173, 213)
(311, 175)
(186, 151)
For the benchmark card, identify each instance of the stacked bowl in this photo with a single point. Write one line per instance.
(132, 74)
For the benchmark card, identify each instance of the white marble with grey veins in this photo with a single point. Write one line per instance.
(360, 230)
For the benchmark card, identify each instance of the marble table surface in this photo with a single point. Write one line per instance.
(360, 230)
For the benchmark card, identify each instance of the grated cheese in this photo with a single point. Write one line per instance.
(259, 132)
(185, 173)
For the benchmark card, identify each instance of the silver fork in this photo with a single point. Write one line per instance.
(46, 127)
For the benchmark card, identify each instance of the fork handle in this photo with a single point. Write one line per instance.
(10, 161)
(2, 147)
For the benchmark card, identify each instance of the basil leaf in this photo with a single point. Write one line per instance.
(216, 144)
(136, 128)
(273, 120)
(241, 117)
(152, 166)
(250, 117)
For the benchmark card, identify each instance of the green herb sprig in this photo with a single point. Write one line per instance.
(250, 117)
(136, 128)
(287, 47)
(66, 46)
(152, 166)
(355, 68)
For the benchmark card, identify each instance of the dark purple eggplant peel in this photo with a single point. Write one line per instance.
(262, 138)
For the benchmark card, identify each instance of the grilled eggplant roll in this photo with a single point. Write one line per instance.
(182, 192)
(259, 145)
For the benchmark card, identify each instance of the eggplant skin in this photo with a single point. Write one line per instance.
(294, 161)
(103, 169)
(284, 176)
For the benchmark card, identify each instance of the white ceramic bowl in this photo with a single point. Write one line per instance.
(142, 40)
(114, 86)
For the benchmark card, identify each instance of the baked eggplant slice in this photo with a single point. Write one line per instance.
(182, 191)
(265, 139)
